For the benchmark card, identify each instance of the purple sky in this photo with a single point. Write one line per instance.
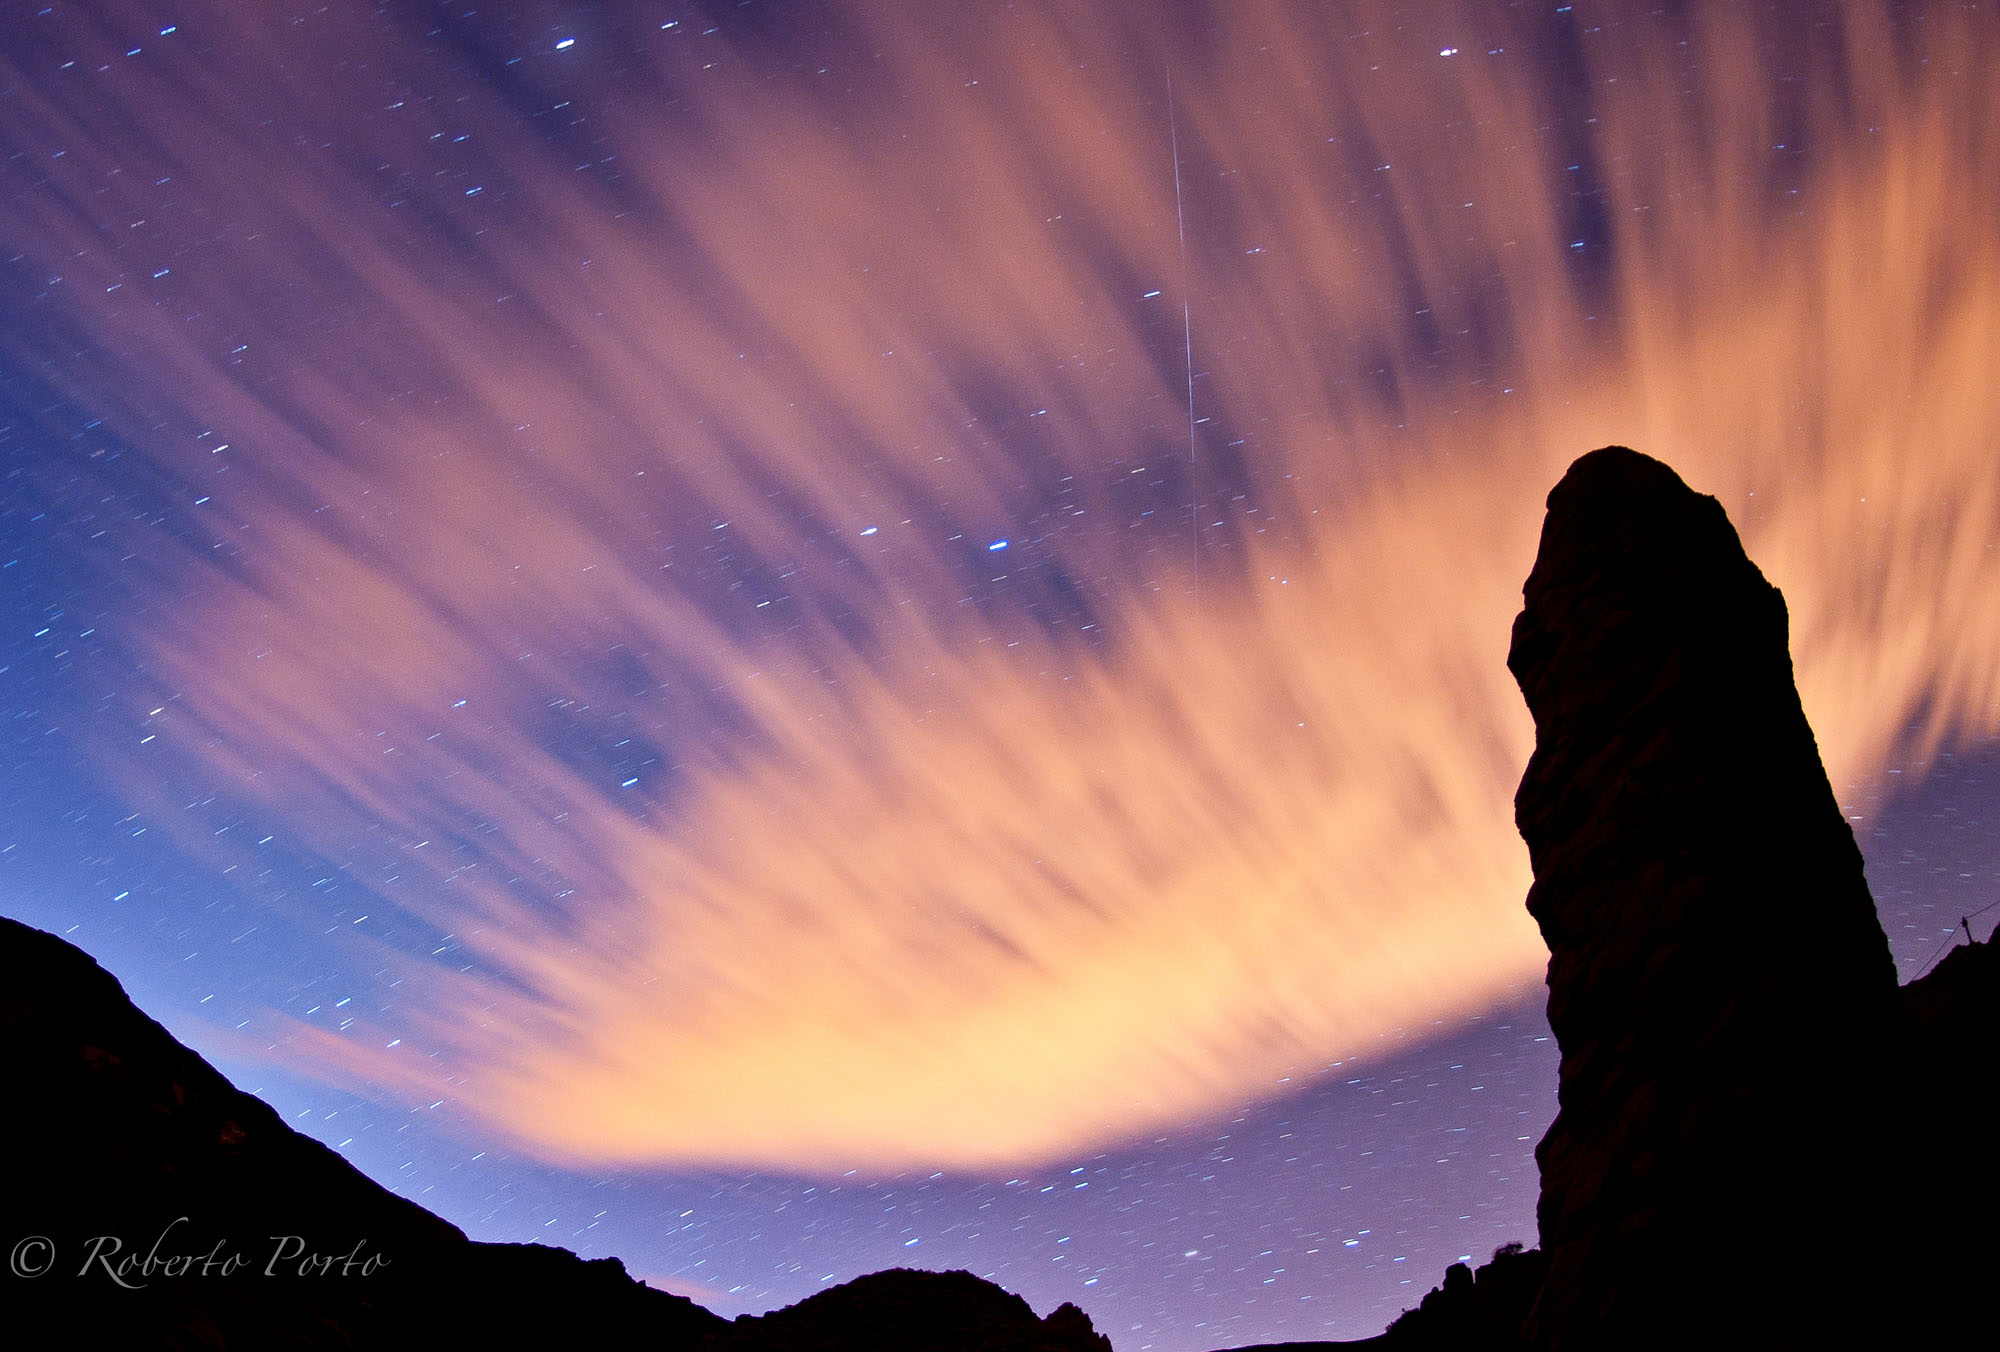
(783, 639)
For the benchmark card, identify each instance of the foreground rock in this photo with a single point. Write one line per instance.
(1717, 973)
(146, 1202)
(1751, 1115)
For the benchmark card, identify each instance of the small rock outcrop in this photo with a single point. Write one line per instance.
(902, 1310)
(1483, 1309)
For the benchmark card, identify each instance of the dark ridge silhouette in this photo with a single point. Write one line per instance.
(121, 1145)
(113, 1132)
(1761, 1141)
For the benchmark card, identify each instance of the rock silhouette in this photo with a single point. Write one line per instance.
(1761, 1140)
(910, 1311)
(1744, 1092)
(129, 1154)
(180, 1212)
(1716, 967)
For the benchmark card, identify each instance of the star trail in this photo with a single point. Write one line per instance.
(782, 639)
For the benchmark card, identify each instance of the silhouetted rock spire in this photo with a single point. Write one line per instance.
(1748, 1102)
(1718, 981)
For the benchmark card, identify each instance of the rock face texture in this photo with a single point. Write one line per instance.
(1718, 977)
(146, 1202)
(1753, 1117)
(1738, 1072)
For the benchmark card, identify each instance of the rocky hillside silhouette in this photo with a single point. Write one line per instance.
(147, 1202)
(121, 1146)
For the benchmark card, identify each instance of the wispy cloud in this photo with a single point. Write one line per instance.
(600, 556)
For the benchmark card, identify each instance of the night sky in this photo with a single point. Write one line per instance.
(782, 639)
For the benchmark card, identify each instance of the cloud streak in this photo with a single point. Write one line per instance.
(597, 560)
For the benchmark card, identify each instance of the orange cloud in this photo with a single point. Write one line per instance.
(918, 874)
